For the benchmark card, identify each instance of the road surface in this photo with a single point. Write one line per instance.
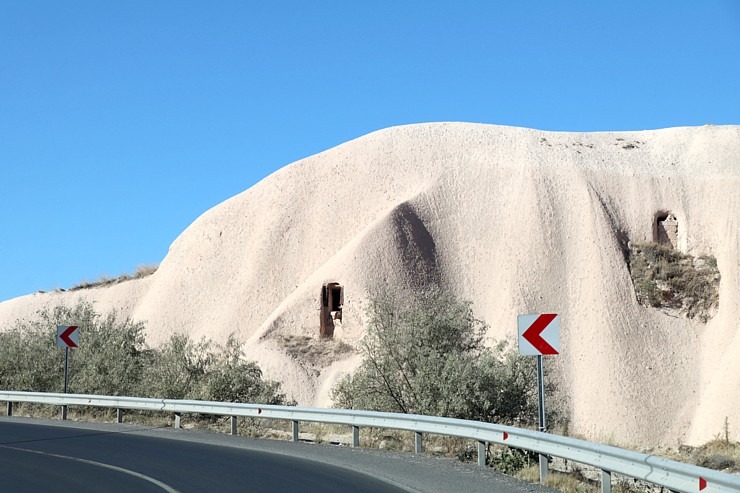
(54, 456)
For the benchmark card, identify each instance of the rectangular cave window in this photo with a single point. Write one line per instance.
(332, 301)
(336, 297)
(665, 229)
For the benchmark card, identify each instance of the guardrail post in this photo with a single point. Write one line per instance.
(481, 453)
(606, 481)
(543, 468)
(177, 420)
(418, 445)
(233, 426)
(294, 427)
(355, 436)
(10, 408)
(64, 412)
(119, 416)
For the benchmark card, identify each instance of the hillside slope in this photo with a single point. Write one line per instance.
(516, 220)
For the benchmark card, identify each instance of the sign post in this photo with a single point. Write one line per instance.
(539, 335)
(66, 368)
(540, 392)
(68, 336)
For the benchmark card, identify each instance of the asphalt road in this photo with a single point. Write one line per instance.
(42, 455)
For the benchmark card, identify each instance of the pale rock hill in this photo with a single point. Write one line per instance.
(516, 220)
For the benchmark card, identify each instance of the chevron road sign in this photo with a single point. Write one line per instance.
(68, 336)
(539, 334)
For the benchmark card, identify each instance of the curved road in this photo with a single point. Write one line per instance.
(38, 455)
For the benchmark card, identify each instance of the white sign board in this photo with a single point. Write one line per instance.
(68, 336)
(539, 334)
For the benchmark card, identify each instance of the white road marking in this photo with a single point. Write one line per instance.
(135, 474)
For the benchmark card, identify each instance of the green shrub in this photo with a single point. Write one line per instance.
(425, 354)
(109, 359)
(231, 379)
(511, 460)
(665, 278)
(176, 368)
(113, 360)
(29, 359)
(107, 363)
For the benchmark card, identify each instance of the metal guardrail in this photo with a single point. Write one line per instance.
(675, 476)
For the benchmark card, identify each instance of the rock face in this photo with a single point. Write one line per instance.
(516, 220)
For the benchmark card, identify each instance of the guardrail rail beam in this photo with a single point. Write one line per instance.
(669, 474)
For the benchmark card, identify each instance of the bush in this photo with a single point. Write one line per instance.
(29, 359)
(665, 278)
(175, 369)
(718, 462)
(107, 363)
(425, 354)
(109, 360)
(113, 360)
(511, 460)
(231, 379)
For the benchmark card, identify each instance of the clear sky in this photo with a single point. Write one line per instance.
(122, 122)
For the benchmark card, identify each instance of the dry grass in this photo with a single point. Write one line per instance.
(720, 454)
(93, 415)
(668, 279)
(141, 271)
(319, 352)
(566, 482)
(578, 481)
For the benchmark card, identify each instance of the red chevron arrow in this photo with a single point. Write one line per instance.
(532, 334)
(64, 336)
(702, 483)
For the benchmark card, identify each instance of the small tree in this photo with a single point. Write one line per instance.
(113, 360)
(29, 359)
(175, 369)
(107, 362)
(233, 379)
(425, 354)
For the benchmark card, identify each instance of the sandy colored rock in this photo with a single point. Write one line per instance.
(516, 220)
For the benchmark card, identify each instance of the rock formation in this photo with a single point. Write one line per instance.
(515, 220)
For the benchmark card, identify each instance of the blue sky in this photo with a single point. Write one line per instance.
(122, 122)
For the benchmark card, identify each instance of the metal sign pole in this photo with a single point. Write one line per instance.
(541, 392)
(66, 368)
(67, 337)
(543, 459)
(539, 334)
(66, 379)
